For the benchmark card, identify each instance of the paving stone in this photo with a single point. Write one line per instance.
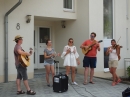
(101, 88)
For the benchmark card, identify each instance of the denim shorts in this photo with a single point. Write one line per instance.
(48, 63)
(21, 72)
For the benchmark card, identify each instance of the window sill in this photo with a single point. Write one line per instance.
(106, 70)
(69, 10)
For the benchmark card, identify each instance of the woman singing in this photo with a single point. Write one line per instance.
(70, 56)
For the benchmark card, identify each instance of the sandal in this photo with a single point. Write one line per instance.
(30, 92)
(20, 92)
(85, 83)
(91, 82)
(119, 80)
(113, 83)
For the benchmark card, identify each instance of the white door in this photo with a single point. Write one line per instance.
(41, 36)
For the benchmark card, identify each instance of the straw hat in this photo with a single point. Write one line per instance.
(17, 37)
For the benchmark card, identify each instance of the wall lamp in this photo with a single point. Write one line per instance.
(63, 24)
(28, 18)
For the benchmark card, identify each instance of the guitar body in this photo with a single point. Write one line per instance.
(25, 60)
(85, 51)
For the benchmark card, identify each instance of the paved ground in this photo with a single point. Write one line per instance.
(101, 88)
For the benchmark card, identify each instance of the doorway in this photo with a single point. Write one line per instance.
(41, 34)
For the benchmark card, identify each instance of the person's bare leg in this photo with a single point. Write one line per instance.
(117, 77)
(18, 83)
(67, 70)
(52, 72)
(86, 74)
(73, 74)
(114, 74)
(111, 71)
(26, 84)
(29, 91)
(47, 67)
(91, 74)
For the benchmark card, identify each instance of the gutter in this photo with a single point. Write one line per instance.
(6, 39)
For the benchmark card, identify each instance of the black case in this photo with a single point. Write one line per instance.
(60, 83)
(126, 92)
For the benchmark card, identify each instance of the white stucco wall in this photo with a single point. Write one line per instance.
(96, 25)
(94, 11)
(128, 26)
(89, 15)
(1, 40)
(42, 8)
(78, 30)
(120, 29)
(119, 22)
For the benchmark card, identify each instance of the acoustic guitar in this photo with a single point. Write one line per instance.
(25, 60)
(85, 51)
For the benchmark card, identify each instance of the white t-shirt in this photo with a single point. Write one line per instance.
(113, 55)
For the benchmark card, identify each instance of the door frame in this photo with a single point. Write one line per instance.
(36, 29)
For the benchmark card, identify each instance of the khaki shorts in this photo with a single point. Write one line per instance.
(112, 63)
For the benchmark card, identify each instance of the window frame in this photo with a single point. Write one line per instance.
(113, 12)
(106, 70)
(69, 10)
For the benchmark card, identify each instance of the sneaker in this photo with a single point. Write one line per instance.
(74, 83)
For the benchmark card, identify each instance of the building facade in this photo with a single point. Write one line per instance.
(60, 20)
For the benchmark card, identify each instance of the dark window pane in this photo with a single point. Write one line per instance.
(34, 37)
(68, 4)
(106, 58)
(34, 57)
(44, 34)
(108, 19)
(41, 59)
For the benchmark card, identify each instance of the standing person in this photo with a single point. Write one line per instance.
(70, 56)
(90, 58)
(49, 53)
(113, 53)
(21, 71)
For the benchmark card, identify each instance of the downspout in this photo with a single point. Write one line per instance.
(6, 39)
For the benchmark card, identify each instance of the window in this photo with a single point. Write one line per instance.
(108, 29)
(108, 19)
(44, 34)
(68, 5)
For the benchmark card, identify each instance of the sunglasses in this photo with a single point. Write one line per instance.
(92, 36)
(71, 41)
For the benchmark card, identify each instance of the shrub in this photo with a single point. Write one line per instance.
(128, 71)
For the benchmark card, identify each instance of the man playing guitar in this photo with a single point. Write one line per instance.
(21, 71)
(90, 57)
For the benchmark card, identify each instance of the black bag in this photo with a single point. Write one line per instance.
(126, 92)
(60, 83)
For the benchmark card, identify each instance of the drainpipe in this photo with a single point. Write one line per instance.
(6, 39)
